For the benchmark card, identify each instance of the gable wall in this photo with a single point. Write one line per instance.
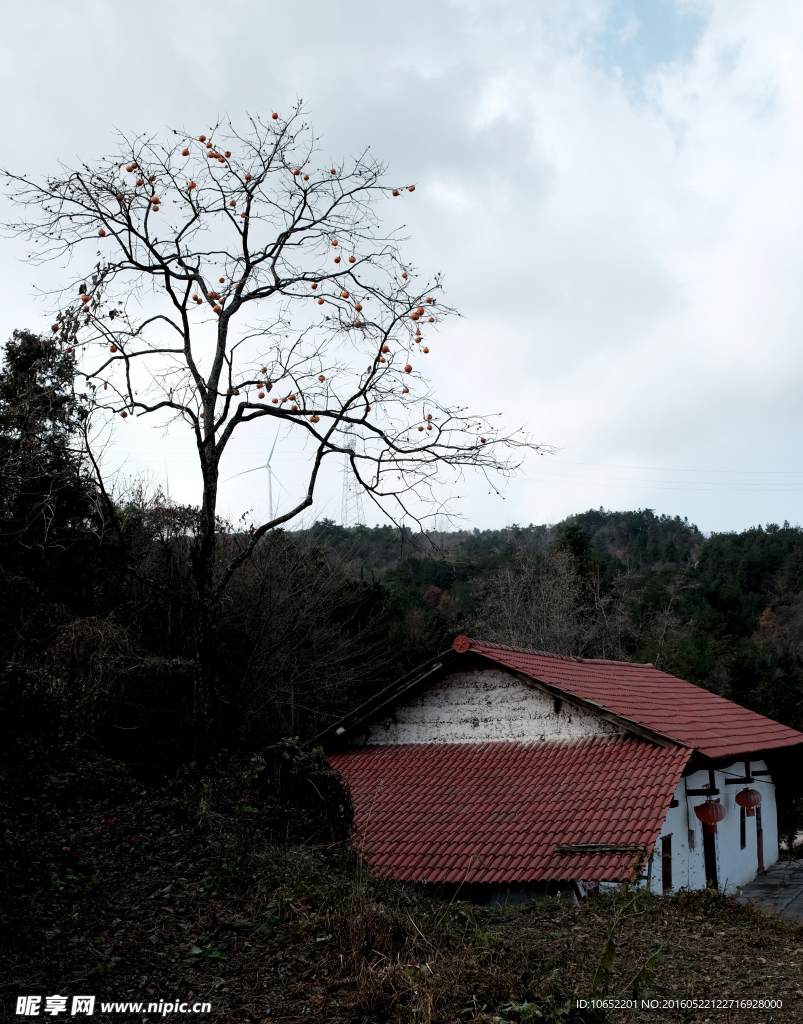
(484, 706)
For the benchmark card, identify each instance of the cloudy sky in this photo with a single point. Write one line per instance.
(613, 191)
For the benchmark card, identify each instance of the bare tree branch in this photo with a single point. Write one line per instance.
(290, 301)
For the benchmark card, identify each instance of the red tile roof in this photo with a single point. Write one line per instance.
(678, 710)
(496, 812)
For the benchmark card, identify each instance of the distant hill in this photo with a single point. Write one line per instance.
(624, 540)
(725, 611)
(642, 539)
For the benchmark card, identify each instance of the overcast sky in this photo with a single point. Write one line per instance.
(613, 191)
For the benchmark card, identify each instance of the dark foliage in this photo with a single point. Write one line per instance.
(48, 536)
(103, 820)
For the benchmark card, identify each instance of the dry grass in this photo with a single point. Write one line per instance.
(306, 934)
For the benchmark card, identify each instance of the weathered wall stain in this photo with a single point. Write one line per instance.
(484, 706)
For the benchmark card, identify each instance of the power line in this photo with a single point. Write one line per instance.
(669, 469)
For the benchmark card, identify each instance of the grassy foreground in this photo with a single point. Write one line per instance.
(168, 899)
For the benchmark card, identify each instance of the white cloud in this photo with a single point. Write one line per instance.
(621, 236)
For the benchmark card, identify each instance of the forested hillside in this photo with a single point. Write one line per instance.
(104, 808)
(723, 611)
(97, 598)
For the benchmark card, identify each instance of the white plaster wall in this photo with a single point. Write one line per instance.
(486, 705)
(735, 867)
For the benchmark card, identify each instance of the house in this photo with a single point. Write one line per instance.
(501, 770)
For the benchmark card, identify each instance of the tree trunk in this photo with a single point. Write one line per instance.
(206, 698)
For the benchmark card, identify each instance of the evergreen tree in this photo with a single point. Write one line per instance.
(46, 495)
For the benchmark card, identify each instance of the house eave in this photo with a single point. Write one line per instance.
(339, 733)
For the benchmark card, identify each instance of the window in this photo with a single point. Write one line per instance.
(666, 863)
(742, 828)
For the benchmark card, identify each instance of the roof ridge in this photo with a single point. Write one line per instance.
(488, 645)
(518, 743)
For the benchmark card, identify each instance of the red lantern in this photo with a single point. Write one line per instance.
(749, 799)
(710, 813)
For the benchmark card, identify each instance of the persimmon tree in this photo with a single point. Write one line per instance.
(233, 278)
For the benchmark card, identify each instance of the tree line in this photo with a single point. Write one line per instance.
(97, 616)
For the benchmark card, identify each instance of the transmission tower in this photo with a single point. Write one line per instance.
(351, 509)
